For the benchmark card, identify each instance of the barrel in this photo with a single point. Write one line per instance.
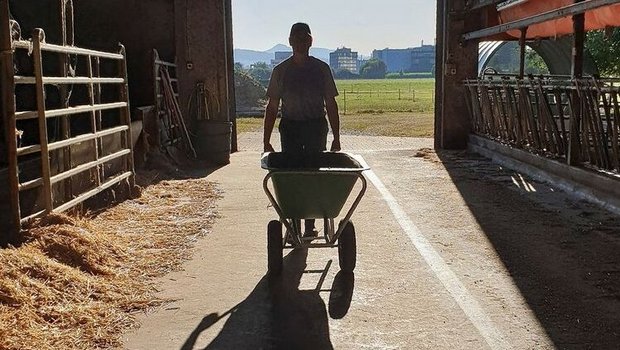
(212, 141)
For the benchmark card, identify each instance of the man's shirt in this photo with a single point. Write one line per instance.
(302, 89)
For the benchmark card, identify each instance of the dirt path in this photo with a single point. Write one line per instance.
(453, 252)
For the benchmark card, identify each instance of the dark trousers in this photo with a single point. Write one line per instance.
(299, 137)
(302, 137)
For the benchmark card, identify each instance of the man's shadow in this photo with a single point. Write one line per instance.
(278, 315)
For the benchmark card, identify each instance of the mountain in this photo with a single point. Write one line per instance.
(248, 57)
(279, 47)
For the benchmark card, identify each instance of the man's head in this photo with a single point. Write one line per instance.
(300, 37)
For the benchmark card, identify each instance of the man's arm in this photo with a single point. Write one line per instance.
(271, 112)
(334, 121)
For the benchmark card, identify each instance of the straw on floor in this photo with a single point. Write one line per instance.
(75, 283)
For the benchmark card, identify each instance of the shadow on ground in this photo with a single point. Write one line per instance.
(280, 315)
(562, 255)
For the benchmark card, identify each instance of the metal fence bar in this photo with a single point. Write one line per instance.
(68, 80)
(22, 151)
(87, 166)
(108, 184)
(30, 184)
(22, 44)
(70, 110)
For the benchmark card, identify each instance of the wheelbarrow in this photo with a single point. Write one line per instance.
(312, 186)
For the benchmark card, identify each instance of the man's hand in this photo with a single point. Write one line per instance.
(268, 147)
(335, 146)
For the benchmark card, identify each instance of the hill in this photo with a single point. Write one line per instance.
(248, 57)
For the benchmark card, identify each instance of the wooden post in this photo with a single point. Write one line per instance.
(574, 146)
(126, 118)
(38, 37)
(522, 48)
(97, 94)
(232, 110)
(459, 61)
(93, 116)
(439, 59)
(67, 37)
(345, 102)
(7, 89)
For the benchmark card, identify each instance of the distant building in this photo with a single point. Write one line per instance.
(423, 59)
(280, 56)
(344, 59)
(411, 60)
(396, 60)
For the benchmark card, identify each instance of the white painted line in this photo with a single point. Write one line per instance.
(493, 336)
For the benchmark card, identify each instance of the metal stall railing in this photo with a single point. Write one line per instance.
(171, 126)
(91, 113)
(536, 113)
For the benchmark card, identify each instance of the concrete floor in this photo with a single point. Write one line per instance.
(453, 253)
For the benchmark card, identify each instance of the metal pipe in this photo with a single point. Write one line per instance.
(71, 110)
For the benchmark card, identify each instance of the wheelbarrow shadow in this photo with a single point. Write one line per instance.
(278, 315)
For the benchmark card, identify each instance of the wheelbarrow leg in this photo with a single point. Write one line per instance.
(274, 248)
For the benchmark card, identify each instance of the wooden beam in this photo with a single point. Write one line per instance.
(459, 62)
(565, 11)
(7, 90)
(38, 36)
(439, 62)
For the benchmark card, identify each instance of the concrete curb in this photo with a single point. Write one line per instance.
(599, 188)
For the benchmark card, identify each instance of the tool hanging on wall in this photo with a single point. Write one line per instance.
(203, 104)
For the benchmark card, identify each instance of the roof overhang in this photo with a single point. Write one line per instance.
(544, 19)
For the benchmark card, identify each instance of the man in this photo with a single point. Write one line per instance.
(307, 90)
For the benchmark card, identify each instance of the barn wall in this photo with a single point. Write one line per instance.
(140, 25)
(202, 51)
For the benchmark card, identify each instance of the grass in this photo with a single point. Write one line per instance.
(386, 95)
(381, 107)
(389, 124)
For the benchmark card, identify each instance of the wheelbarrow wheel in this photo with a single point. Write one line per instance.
(347, 248)
(274, 247)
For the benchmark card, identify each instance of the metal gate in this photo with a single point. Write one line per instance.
(104, 120)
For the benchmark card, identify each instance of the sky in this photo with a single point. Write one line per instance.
(360, 25)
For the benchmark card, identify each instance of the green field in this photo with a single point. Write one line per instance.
(385, 107)
(386, 95)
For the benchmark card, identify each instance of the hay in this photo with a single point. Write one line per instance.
(74, 283)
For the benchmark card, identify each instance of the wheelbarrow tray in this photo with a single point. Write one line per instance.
(312, 186)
